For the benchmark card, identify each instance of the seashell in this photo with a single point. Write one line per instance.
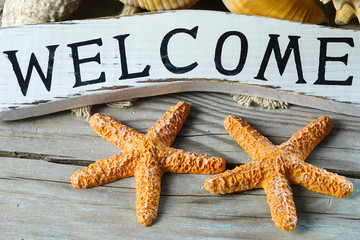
(160, 5)
(306, 11)
(345, 10)
(19, 12)
(345, 14)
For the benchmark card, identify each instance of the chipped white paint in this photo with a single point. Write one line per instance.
(188, 50)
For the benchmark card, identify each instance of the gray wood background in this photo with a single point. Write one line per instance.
(38, 156)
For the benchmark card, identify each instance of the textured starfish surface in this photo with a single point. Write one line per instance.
(275, 167)
(147, 157)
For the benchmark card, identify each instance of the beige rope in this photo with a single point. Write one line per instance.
(263, 102)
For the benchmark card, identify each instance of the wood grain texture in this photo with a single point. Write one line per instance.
(38, 156)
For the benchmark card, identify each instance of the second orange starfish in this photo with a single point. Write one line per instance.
(147, 157)
(274, 168)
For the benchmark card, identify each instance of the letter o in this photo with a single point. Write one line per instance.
(243, 53)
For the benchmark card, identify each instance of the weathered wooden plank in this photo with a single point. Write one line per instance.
(35, 192)
(187, 54)
(38, 201)
(60, 137)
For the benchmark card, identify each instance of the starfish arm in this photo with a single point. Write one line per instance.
(114, 131)
(304, 141)
(241, 178)
(319, 180)
(148, 186)
(247, 137)
(104, 171)
(281, 202)
(170, 124)
(180, 161)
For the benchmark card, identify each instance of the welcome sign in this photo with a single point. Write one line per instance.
(52, 67)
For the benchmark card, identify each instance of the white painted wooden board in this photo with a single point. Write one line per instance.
(38, 156)
(177, 51)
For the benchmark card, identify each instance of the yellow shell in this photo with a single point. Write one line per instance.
(160, 5)
(345, 10)
(306, 11)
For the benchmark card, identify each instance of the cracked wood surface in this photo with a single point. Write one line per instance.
(38, 156)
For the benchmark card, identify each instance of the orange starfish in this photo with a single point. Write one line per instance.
(147, 157)
(274, 168)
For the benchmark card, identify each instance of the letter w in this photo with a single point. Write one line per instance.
(24, 83)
